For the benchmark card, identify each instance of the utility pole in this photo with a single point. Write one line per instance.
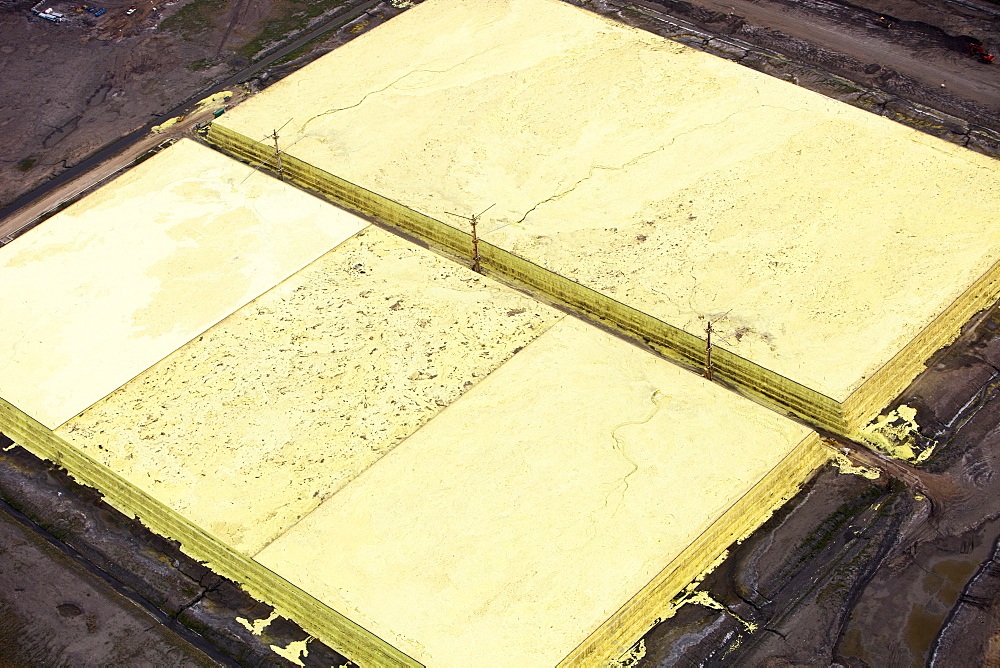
(277, 155)
(474, 219)
(476, 266)
(708, 351)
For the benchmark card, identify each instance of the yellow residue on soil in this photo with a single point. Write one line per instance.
(702, 597)
(214, 100)
(167, 124)
(818, 238)
(119, 280)
(294, 652)
(634, 655)
(895, 435)
(529, 511)
(252, 425)
(257, 627)
(844, 465)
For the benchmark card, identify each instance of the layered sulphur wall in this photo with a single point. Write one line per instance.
(761, 384)
(525, 523)
(320, 620)
(819, 239)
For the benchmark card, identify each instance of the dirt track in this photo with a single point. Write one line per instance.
(69, 615)
(912, 48)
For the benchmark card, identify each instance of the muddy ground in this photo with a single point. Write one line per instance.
(852, 572)
(126, 581)
(36, 613)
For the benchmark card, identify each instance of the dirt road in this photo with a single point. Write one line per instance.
(910, 60)
(24, 218)
(925, 57)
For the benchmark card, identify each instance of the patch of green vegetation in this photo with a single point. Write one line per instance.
(302, 50)
(276, 30)
(825, 532)
(200, 64)
(194, 18)
(26, 164)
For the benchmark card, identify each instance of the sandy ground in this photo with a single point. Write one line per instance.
(524, 515)
(142, 266)
(668, 192)
(252, 425)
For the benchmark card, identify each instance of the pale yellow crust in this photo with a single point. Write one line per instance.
(528, 512)
(819, 238)
(252, 425)
(118, 281)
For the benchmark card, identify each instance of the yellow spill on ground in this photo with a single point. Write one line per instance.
(165, 125)
(295, 652)
(252, 425)
(845, 466)
(895, 434)
(213, 100)
(118, 281)
(257, 627)
(527, 513)
(633, 656)
(818, 238)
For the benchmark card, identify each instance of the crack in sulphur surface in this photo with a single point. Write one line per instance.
(618, 444)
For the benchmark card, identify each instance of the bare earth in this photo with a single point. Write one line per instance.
(126, 69)
(55, 612)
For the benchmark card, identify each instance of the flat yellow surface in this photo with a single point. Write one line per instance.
(121, 279)
(819, 238)
(252, 425)
(526, 513)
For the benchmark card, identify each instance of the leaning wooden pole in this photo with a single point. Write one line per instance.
(708, 351)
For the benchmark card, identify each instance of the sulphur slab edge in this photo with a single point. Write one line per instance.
(380, 547)
(143, 265)
(643, 611)
(282, 403)
(413, 86)
(318, 619)
(886, 383)
(757, 383)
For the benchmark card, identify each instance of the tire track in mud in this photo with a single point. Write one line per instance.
(237, 9)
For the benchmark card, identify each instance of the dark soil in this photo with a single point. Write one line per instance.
(129, 568)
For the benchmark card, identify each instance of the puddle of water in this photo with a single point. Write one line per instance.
(921, 629)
